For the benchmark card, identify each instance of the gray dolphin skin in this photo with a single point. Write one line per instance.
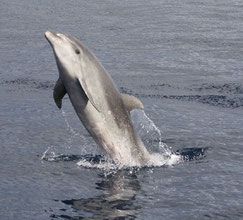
(102, 109)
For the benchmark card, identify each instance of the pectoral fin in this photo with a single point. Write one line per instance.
(94, 101)
(59, 92)
(131, 102)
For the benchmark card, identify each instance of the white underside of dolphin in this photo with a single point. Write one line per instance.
(102, 109)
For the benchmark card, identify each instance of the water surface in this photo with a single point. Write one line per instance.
(183, 59)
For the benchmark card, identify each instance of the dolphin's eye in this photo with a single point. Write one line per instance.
(77, 51)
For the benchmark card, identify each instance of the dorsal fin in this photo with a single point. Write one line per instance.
(59, 92)
(131, 102)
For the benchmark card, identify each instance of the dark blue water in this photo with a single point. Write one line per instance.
(183, 59)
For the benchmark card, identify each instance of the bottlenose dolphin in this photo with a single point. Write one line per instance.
(102, 109)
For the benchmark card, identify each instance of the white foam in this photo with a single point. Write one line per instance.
(102, 165)
(158, 160)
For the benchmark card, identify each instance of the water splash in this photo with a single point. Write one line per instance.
(160, 153)
(53, 153)
(49, 154)
(149, 132)
(162, 145)
(70, 130)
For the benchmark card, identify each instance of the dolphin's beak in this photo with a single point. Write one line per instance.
(49, 36)
(52, 37)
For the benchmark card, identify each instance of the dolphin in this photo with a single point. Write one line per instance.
(102, 109)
